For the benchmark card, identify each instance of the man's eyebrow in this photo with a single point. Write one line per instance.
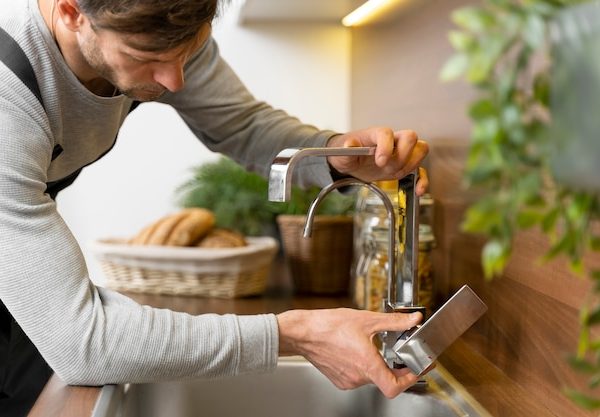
(142, 46)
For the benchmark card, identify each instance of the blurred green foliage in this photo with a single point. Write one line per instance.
(502, 49)
(239, 199)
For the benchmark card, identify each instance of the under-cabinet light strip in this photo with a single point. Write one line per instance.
(368, 11)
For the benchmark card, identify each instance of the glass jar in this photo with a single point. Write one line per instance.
(377, 270)
(369, 214)
(425, 271)
(360, 272)
(370, 251)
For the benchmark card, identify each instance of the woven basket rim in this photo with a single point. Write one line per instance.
(111, 247)
(319, 218)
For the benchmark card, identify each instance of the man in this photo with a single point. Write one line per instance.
(92, 60)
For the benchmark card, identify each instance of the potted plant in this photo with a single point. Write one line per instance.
(239, 201)
(238, 198)
(531, 124)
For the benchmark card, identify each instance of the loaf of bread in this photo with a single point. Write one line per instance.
(184, 228)
(222, 238)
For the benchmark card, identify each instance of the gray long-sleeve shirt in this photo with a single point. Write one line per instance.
(87, 334)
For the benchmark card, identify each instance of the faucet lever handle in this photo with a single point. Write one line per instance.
(280, 177)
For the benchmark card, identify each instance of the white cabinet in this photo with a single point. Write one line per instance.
(296, 10)
(323, 11)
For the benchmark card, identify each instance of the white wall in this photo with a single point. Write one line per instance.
(302, 68)
(395, 74)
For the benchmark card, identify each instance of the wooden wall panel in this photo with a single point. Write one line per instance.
(526, 333)
(532, 322)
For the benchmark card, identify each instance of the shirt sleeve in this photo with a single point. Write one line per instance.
(225, 116)
(91, 335)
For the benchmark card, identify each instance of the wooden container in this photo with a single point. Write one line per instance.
(319, 264)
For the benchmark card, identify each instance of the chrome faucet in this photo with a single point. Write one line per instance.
(391, 217)
(402, 279)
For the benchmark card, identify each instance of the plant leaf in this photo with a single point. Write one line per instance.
(494, 258)
(534, 31)
(461, 41)
(528, 218)
(483, 109)
(581, 365)
(595, 243)
(549, 221)
(583, 400)
(594, 317)
(474, 19)
(594, 381)
(454, 67)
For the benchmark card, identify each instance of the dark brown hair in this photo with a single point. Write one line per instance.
(168, 23)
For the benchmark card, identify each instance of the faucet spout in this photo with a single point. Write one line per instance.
(282, 167)
(391, 217)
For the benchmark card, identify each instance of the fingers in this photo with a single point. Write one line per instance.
(398, 148)
(392, 382)
(405, 141)
(423, 182)
(382, 322)
(385, 142)
(405, 163)
(352, 142)
(407, 154)
(339, 343)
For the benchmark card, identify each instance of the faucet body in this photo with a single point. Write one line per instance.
(402, 277)
(406, 291)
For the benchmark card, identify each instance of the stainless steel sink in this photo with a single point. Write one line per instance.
(295, 389)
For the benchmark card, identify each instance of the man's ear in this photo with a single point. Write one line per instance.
(70, 14)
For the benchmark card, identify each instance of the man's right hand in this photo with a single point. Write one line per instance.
(339, 343)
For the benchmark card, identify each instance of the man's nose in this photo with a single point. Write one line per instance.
(170, 76)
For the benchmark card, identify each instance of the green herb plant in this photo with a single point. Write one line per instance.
(501, 48)
(239, 198)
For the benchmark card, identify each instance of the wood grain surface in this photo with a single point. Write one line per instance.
(532, 323)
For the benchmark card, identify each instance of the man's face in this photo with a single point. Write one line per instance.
(121, 60)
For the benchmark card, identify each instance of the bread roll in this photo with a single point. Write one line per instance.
(184, 228)
(143, 235)
(222, 238)
(164, 228)
(191, 228)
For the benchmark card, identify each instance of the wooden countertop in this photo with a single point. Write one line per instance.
(486, 383)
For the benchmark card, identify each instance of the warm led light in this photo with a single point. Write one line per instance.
(369, 11)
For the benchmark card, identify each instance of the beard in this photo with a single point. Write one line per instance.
(140, 92)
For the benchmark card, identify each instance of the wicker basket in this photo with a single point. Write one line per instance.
(319, 264)
(222, 273)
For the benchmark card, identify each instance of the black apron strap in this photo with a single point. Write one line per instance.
(15, 59)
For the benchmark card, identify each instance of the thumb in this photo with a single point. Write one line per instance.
(396, 321)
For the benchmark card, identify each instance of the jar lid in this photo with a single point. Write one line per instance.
(426, 237)
(426, 200)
